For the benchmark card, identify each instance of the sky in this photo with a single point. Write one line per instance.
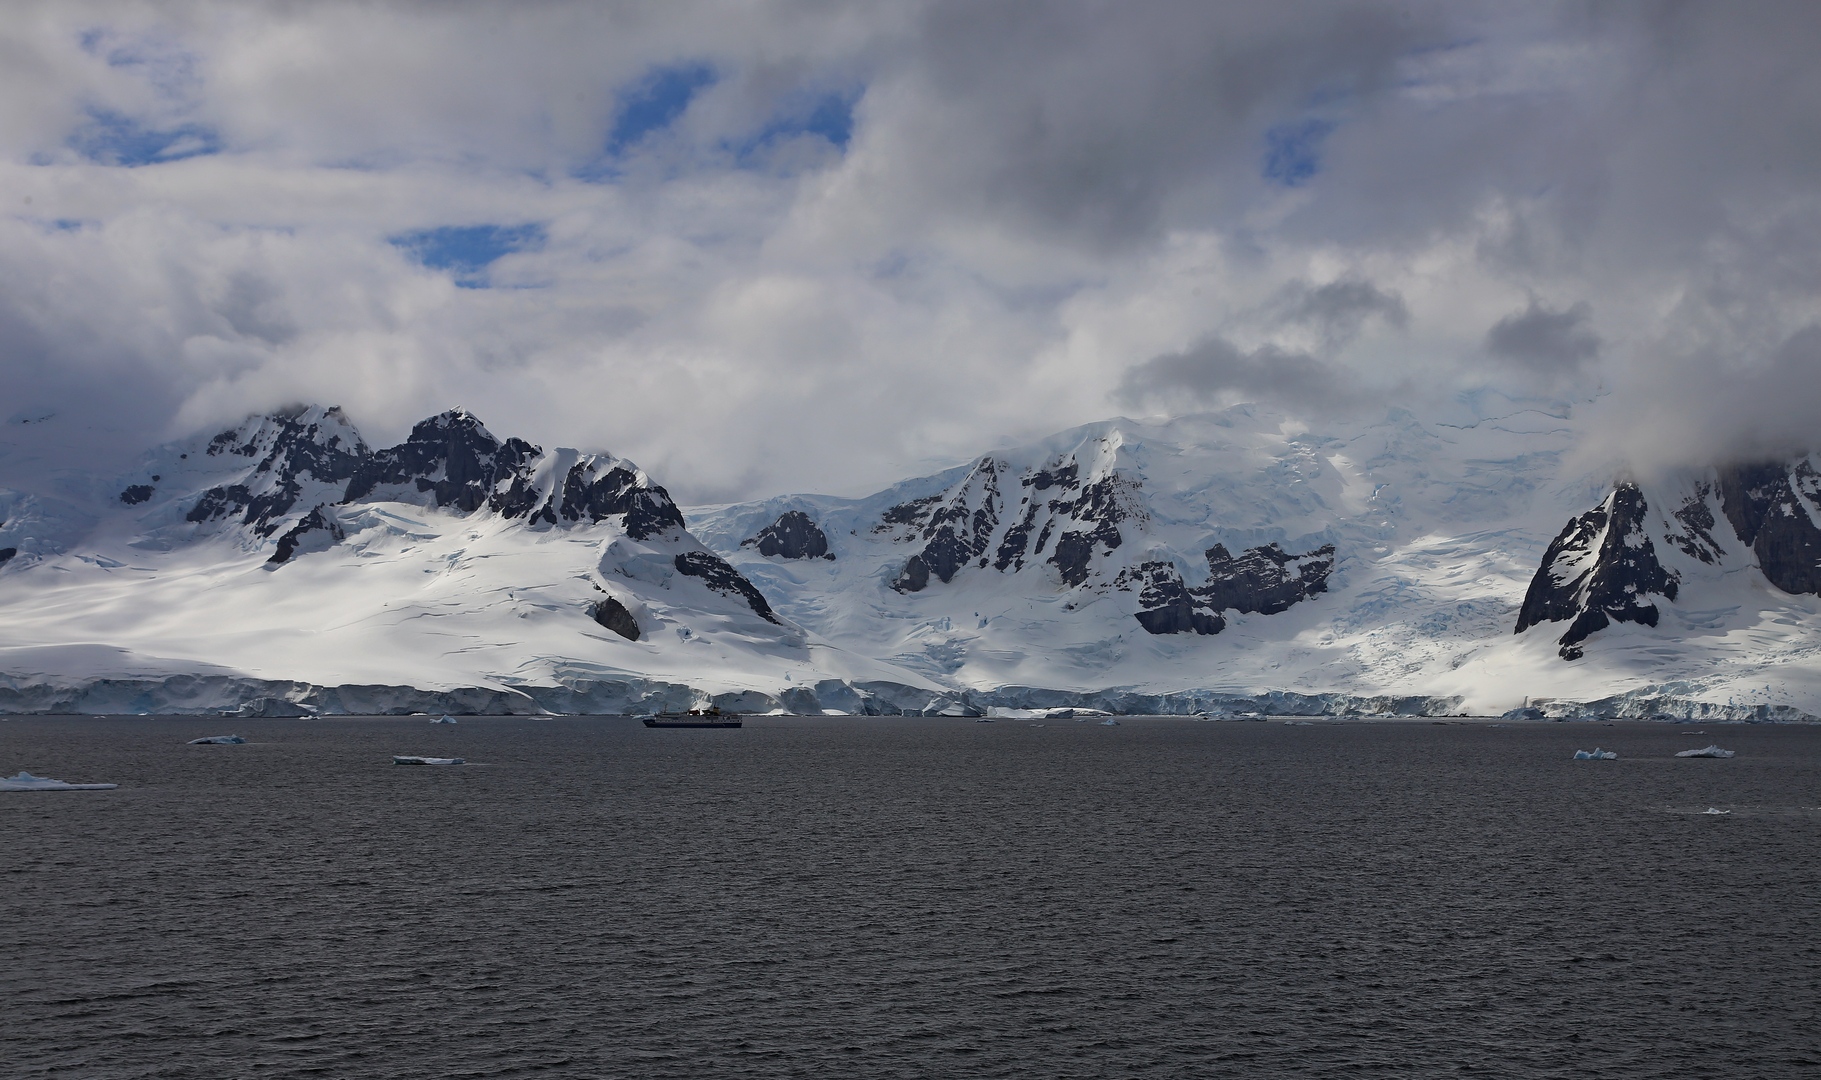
(763, 246)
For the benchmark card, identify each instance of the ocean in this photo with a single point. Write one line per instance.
(903, 897)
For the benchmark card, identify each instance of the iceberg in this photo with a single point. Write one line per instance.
(217, 740)
(1109, 722)
(444, 720)
(1706, 751)
(1596, 754)
(27, 782)
(407, 759)
(1715, 810)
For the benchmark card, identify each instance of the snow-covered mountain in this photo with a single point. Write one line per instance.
(1243, 553)
(284, 564)
(1236, 561)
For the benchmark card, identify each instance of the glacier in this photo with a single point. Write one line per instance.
(1231, 563)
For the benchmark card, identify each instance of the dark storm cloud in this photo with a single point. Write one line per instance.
(1107, 123)
(1544, 341)
(1340, 308)
(1215, 370)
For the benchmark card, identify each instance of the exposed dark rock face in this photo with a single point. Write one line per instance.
(450, 455)
(1073, 552)
(961, 530)
(6, 554)
(1763, 505)
(259, 512)
(959, 527)
(1098, 506)
(1601, 569)
(646, 507)
(314, 532)
(136, 494)
(612, 615)
(1168, 607)
(723, 578)
(915, 577)
(302, 447)
(912, 514)
(792, 536)
(1265, 580)
(1697, 521)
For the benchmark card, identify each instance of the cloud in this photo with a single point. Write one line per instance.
(1341, 308)
(1215, 370)
(811, 245)
(1544, 341)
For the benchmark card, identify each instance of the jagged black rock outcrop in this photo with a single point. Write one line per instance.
(1600, 569)
(314, 526)
(792, 536)
(6, 554)
(452, 456)
(1098, 505)
(646, 508)
(612, 615)
(958, 527)
(300, 450)
(1762, 503)
(136, 494)
(1266, 579)
(721, 577)
(914, 578)
(1168, 607)
(1697, 521)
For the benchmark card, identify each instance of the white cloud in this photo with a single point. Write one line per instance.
(1028, 205)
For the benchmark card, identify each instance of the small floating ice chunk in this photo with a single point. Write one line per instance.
(445, 719)
(1706, 751)
(217, 740)
(1596, 754)
(27, 782)
(1299, 723)
(1715, 810)
(408, 759)
(1109, 722)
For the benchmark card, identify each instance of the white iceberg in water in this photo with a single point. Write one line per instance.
(1706, 751)
(1109, 722)
(217, 740)
(443, 720)
(27, 782)
(1714, 810)
(1596, 754)
(406, 759)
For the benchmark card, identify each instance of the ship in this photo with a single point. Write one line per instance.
(713, 716)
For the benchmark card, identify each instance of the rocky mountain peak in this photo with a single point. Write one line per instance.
(1771, 508)
(314, 458)
(1600, 569)
(793, 536)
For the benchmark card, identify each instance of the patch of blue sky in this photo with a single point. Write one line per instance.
(654, 102)
(828, 116)
(112, 138)
(1293, 151)
(466, 251)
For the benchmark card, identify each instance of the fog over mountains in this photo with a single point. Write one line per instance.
(1231, 561)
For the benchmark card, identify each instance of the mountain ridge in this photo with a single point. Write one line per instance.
(1199, 562)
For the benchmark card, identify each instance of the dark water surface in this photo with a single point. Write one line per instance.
(908, 897)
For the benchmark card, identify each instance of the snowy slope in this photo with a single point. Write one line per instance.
(287, 552)
(1436, 533)
(1230, 561)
